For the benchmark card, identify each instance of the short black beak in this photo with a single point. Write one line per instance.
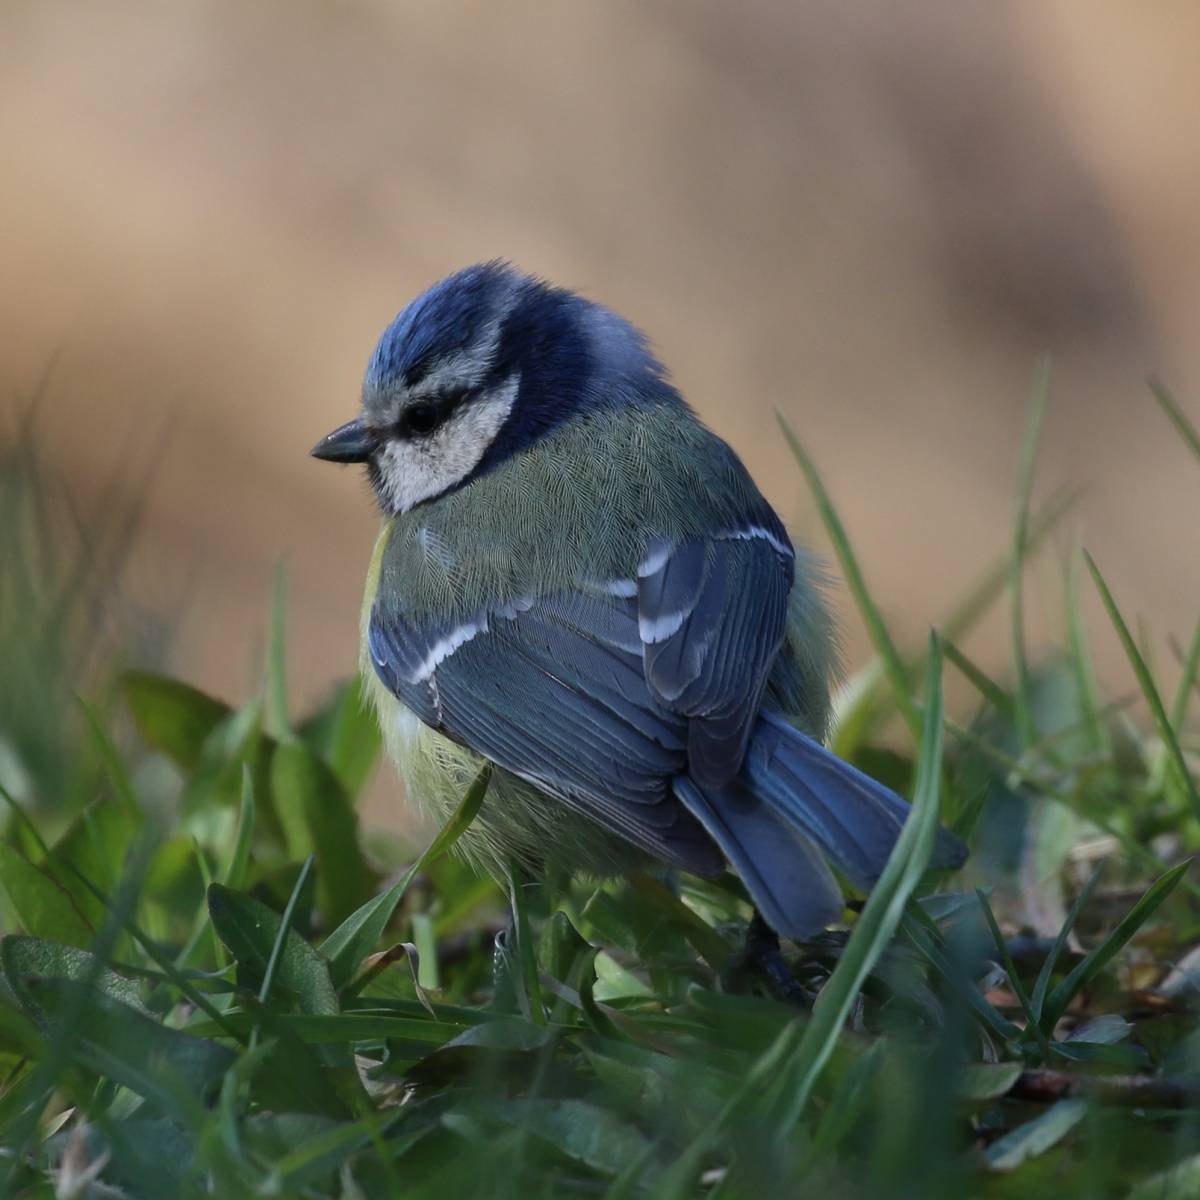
(349, 443)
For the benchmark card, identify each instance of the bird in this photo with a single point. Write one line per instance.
(579, 583)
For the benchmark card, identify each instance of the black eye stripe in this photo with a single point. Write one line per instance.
(425, 416)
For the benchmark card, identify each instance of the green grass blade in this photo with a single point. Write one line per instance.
(1099, 958)
(1014, 978)
(531, 987)
(1042, 983)
(882, 912)
(1146, 682)
(1081, 661)
(1182, 422)
(881, 639)
(1187, 681)
(285, 925)
(235, 871)
(987, 687)
(278, 723)
(1020, 548)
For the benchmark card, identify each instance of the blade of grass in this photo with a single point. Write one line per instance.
(1099, 958)
(1081, 660)
(526, 956)
(987, 687)
(1042, 983)
(285, 925)
(1187, 681)
(884, 907)
(1014, 978)
(234, 874)
(881, 639)
(1182, 422)
(1021, 681)
(277, 721)
(1145, 680)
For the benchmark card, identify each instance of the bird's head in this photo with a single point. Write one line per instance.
(482, 366)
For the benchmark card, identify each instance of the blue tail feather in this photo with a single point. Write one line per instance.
(793, 803)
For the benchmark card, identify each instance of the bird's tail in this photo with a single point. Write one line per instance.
(794, 805)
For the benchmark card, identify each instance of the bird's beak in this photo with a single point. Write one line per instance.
(349, 443)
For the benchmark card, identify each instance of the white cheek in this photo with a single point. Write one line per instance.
(414, 470)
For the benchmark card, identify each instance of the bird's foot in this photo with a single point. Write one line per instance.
(761, 958)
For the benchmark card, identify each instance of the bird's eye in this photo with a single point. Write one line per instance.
(421, 419)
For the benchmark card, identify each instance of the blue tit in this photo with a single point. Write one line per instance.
(580, 583)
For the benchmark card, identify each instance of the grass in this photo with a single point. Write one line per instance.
(217, 983)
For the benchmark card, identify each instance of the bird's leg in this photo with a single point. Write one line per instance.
(760, 955)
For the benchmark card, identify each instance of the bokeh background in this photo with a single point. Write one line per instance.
(873, 217)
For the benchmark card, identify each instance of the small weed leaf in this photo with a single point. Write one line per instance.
(248, 928)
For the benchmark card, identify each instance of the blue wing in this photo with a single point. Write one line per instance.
(603, 694)
(553, 691)
(712, 617)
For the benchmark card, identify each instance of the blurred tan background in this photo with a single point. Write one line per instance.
(872, 216)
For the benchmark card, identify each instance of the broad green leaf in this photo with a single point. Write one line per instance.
(1035, 1137)
(42, 905)
(172, 716)
(131, 1049)
(300, 1074)
(25, 958)
(302, 784)
(249, 928)
(359, 933)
